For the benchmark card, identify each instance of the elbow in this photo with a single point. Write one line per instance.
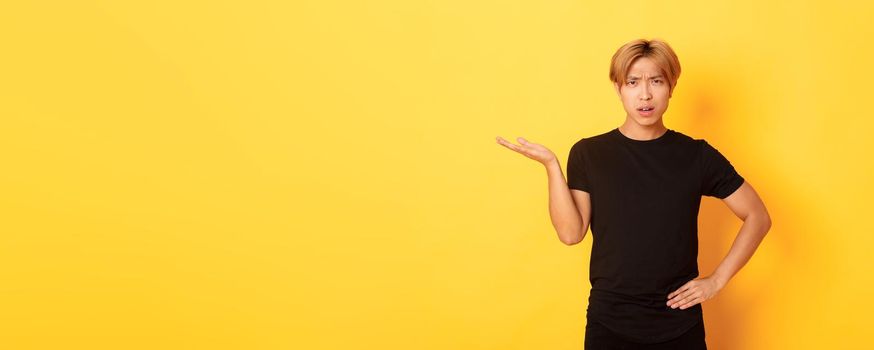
(571, 241)
(574, 238)
(764, 221)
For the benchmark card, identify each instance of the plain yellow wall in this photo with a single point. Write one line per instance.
(324, 175)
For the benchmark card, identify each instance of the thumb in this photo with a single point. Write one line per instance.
(522, 140)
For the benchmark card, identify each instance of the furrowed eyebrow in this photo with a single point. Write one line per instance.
(636, 77)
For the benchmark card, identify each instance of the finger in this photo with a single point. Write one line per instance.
(675, 301)
(690, 303)
(686, 299)
(509, 144)
(686, 292)
(520, 149)
(522, 140)
(679, 290)
(679, 297)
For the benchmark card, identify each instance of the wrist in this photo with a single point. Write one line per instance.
(720, 280)
(552, 163)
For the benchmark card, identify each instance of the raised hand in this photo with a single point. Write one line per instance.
(530, 150)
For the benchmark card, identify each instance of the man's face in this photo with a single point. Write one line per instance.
(646, 87)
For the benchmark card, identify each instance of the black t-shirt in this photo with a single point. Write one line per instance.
(645, 197)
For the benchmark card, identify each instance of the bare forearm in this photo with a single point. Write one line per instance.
(751, 233)
(563, 211)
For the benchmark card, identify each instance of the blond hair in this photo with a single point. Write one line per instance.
(657, 50)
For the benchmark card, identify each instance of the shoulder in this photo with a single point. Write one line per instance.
(700, 142)
(709, 152)
(687, 139)
(592, 140)
(583, 147)
(693, 144)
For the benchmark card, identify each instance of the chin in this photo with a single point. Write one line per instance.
(648, 121)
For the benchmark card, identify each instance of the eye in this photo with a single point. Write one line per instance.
(631, 82)
(657, 81)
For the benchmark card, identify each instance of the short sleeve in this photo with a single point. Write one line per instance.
(719, 177)
(577, 176)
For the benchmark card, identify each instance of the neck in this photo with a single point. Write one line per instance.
(642, 132)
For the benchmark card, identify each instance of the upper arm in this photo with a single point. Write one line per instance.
(745, 202)
(578, 182)
(584, 206)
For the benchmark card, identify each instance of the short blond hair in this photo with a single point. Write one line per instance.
(657, 50)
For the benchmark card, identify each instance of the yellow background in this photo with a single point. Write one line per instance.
(324, 175)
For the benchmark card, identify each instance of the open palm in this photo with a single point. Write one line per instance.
(529, 149)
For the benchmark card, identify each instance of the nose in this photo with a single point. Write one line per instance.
(645, 94)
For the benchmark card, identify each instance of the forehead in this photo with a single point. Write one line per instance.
(644, 67)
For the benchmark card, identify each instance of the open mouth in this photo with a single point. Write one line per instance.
(645, 109)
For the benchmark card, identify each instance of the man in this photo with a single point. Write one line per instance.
(639, 186)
